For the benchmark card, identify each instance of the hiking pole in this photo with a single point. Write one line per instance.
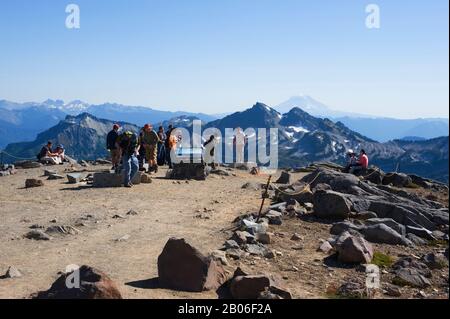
(265, 195)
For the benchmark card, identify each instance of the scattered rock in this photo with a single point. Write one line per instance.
(231, 244)
(49, 172)
(32, 182)
(132, 212)
(275, 218)
(27, 164)
(259, 250)
(325, 247)
(13, 272)
(392, 291)
(252, 186)
(94, 284)
(74, 178)
(123, 238)
(183, 267)
(252, 286)
(435, 261)
(352, 289)
(220, 255)
(37, 235)
(296, 237)
(55, 177)
(264, 238)
(63, 229)
(146, 179)
(353, 249)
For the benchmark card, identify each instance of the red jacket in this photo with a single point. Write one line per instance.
(364, 161)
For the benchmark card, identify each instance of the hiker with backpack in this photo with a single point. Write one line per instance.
(115, 151)
(128, 143)
(210, 146)
(149, 140)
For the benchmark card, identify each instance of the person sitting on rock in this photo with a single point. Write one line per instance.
(361, 166)
(47, 156)
(351, 161)
(61, 152)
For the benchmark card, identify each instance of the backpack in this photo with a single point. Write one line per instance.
(128, 142)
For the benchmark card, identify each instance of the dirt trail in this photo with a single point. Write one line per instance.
(164, 208)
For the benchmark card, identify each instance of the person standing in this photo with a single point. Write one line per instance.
(172, 141)
(210, 146)
(161, 146)
(240, 139)
(150, 140)
(166, 145)
(129, 146)
(111, 139)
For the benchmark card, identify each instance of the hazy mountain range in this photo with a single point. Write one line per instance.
(303, 139)
(381, 129)
(23, 121)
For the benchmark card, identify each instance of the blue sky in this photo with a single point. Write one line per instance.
(219, 56)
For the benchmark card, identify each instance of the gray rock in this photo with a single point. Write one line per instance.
(365, 215)
(416, 240)
(382, 234)
(410, 277)
(346, 226)
(49, 172)
(231, 244)
(388, 222)
(105, 180)
(421, 232)
(275, 218)
(74, 178)
(259, 250)
(353, 249)
(37, 235)
(330, 204)
(435, 261)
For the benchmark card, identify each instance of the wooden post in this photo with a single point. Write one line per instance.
(264, 198)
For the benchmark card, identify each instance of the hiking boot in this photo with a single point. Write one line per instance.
(129, 185)
(156, 169)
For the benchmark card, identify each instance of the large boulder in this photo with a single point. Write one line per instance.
(353, 249)
(93, 284)
(397, 180)
(410, 277)
(388, 222)
(183, 267)
(330, 204)
(383, 234)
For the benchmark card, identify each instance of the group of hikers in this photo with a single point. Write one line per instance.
(131, 150)
(49, 156)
